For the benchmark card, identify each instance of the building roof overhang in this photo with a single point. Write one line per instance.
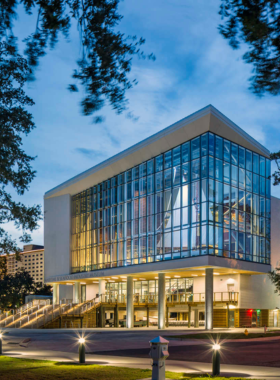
(204, 120)
(186, 267)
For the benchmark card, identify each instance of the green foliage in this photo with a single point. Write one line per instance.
(106, 53)
(275, 278)
(15, 165)
(276, 175)
(257, 24)
(14, 288)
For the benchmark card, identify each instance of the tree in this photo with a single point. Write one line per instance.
(43, 290)
(107, 54)
(275, 278)
(15, 165)
(257, 24)
(14, 288)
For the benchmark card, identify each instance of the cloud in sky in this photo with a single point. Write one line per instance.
(194, 67)
(92, 154)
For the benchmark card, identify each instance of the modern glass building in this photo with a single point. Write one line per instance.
(191, 201)
(207, 196)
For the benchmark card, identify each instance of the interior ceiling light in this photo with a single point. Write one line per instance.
(194, 275)
(177, 276)
(115, 277)
(167, 277)
(216, 273)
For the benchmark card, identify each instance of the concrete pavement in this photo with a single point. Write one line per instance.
(62, 345)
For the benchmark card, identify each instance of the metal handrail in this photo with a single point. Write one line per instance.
(180, 298)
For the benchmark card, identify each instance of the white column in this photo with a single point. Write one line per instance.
(77, 292)
(209, 299)
(129, 303)
(161, 301)
(102, 289)
(55, 294)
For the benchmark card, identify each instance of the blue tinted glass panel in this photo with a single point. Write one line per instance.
(195, 148)
(159, 163)
(218, 147)
(204, 145)
(226, 150)
(186, 152)
(241, 157)
(211, 144)
(256, 165)
(168, 160)
(248, 160)
(262, 166)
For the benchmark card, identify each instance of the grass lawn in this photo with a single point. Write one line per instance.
(27, 369)
(222, 336)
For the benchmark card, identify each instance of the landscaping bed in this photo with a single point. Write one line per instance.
(28, 369)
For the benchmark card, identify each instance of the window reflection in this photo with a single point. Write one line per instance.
(206, 196)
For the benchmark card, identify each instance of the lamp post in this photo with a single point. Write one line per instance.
(82, 351)
(216, 359)
(1, 338)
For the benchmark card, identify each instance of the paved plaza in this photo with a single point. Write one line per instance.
(257, 358)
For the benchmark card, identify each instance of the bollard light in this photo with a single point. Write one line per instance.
(1, 338)
(82, 351)
(216, 359)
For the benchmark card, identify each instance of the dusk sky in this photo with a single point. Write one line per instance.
(194, 67)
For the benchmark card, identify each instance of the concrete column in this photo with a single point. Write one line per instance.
(196, 318)
(77, 292)
(129, 303)
(161, 301)
(209, 299)
(55, 294)
(102, 289)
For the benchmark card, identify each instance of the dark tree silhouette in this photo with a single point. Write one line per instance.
(107, 53)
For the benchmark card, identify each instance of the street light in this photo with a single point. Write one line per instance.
(216, 359)
(82, 351)
(1, 337)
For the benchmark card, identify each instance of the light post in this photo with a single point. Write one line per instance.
(1, 338)
(82, 351)
(216, 359)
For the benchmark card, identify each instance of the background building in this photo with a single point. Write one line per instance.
(32, 260)
(177, 227)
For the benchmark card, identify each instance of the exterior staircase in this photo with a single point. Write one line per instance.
(14, 318)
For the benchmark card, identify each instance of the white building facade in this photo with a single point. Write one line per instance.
(178, 229)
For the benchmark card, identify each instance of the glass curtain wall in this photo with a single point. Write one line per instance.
(147, 290)
(208, 196)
